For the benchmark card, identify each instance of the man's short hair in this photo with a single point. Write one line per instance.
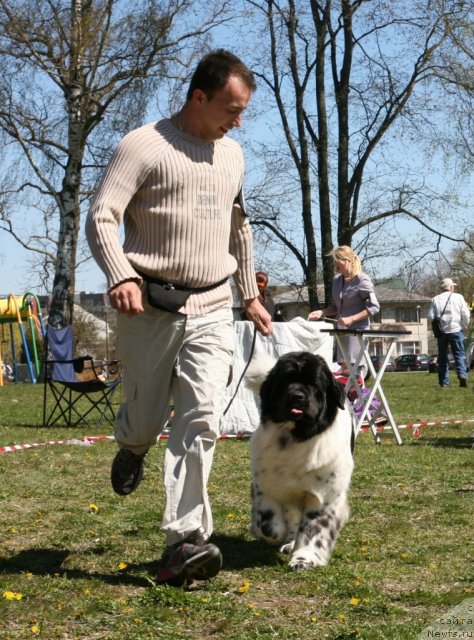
(215, 69)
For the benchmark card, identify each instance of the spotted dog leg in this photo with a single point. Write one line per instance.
(268, 522)
(317, 536)
(292, 516)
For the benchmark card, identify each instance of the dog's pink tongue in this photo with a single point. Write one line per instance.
(296, 411)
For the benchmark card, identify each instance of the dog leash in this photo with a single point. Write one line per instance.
(252, 349)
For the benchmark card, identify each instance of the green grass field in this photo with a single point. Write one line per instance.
(77, 560)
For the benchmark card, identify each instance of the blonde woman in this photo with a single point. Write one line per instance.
(353, 300)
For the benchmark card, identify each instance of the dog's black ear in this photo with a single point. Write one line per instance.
(335, 391)
(267, 394)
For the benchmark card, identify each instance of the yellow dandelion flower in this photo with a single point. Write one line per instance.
(35, 629)
(86, 592)
(230, 516)
(404, 554)
(257, 613)
(313, 619)
(244, 587)
(355, 601)
(122, 601)
(94, 508)
(122, 565)
(204, 599)
(251, 606)
(29, 575)
(137, 620)
(12, 595)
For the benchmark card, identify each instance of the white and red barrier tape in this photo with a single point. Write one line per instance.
(415, 426)
(33, 445)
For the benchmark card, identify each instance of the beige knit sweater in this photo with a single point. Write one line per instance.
(176, 196)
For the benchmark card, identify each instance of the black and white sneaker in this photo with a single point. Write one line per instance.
(127, 471)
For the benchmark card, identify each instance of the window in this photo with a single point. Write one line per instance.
(407, 347)
(406, 314)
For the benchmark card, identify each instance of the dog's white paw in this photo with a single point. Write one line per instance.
(301, 562)
(301, 565)
(287, 547)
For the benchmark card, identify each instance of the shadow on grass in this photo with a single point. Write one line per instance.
(45, 562)
(448, 443)
(238, 554)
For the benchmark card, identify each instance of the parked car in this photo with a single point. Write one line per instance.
(433, 363)
(412, 362)
(377, 361)
(470, 356)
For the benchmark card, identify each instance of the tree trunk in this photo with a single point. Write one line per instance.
(62, 302)
(321, 19)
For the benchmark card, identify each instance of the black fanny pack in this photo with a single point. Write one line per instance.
(170, 297)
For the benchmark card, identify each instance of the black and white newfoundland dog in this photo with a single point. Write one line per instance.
(301, 457)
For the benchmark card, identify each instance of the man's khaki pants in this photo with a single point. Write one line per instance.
(187, 360)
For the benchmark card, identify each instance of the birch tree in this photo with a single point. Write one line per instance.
(75, 74)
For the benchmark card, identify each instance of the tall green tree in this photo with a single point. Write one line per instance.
(74, 74)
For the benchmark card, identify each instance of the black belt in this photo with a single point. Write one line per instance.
(178, 287)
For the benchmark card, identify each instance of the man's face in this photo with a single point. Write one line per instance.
(221, 113)
(262, 282)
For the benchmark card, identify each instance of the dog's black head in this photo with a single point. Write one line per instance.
(301, 389)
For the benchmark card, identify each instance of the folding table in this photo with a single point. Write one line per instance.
(364, 337)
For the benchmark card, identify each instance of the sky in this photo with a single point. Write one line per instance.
(15, 269)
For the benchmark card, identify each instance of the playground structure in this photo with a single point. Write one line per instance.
(23, 312)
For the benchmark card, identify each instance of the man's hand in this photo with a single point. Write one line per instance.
(126, 298)
(257, 313)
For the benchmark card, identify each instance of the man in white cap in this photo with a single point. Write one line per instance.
(454, 315)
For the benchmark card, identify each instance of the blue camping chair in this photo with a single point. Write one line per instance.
(79, 391)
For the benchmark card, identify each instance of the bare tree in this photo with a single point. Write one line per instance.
(350, 79)
(75, 74)
(456, 76)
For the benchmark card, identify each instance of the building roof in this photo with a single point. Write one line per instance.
(384, 295)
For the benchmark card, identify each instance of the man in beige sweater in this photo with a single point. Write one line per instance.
(176, 185)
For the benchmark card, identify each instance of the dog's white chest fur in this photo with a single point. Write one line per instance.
(301, 460)
(321, 467)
